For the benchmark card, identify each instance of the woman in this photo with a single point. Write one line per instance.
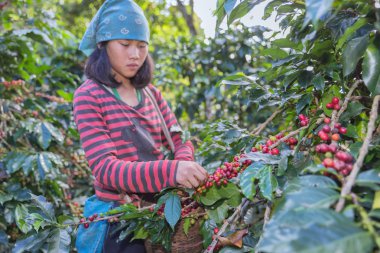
(119, 127)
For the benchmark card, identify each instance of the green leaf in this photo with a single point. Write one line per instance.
(282, 166)
(369, 178)
(267, 182)
(218, 214)
(242, 9)
(59, 241)
(353, 52)
(46, 207)
(265, 158)
(32, 242)
(68, 96)
(353, 110)
(3, 237)
(186, 225)
(29, 164)
(304, 101)
(247, 179)
(21, 213)
(307, 197)
(54, 132)
(43, 135)
(270, 7)
(14, 161)
(4, 197)
(371, 70)
(228, 191)
(210, 197)
(318, 82)
(313, 231)
(44, 165)
(220, 13)
(316, 181)
(316, 10)
(172, 210)
(348, 33)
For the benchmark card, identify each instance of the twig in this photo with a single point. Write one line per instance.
(347, 99)
(295, 132)
(262, 126)
(268, 210)
(229, 221)
(346, 189)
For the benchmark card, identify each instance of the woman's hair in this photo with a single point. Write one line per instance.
(99, 69)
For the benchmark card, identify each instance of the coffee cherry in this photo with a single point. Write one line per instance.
(327, 120)
(254, 149)
(337, 107)
(328, 163)
(324, 136)
(279, 136)
(303, 123)
(335, 100)
(275, 151)
(337, 125)
(326, 129)
(343, 130)
(82, 220)
(333, 148)
(86, 225)
(335, 137)
(216, 230)
(330, 106)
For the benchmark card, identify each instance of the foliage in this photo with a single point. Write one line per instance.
(279, 203)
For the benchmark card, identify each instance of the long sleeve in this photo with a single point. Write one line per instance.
(183, 151)
(101, 151)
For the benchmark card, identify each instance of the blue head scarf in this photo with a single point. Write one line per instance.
(116, 19)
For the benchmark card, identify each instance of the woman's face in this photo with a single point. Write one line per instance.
(126, 57)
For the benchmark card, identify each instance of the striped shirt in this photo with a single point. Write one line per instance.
(123, 143)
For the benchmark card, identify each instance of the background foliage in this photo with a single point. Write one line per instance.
(222, 88)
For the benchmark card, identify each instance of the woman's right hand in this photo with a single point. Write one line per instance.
(190, 174)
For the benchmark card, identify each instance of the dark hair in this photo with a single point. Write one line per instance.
(98, 68)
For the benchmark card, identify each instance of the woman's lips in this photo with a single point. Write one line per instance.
(133, 66)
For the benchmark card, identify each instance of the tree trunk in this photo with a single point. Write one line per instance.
(188, 16)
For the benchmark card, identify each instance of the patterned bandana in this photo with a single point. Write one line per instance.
(116, 19)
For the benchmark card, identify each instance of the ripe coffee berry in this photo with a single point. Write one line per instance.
(86, 225)
(329, 106)
(337, 107)
(326, 129)
(343, 130)
(335, 100)
(216, 230)
(327, 120)
(324, 136)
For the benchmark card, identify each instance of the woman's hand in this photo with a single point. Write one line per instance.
(190, 174)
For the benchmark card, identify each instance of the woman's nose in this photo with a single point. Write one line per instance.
(133, 52)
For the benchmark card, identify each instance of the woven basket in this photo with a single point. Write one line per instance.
(181, 243)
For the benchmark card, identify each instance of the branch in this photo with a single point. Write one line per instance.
(230, 220)
(295, 132)
(188, 18)
(268, 210)
(260, 128)
(335, 117)
(346, 189)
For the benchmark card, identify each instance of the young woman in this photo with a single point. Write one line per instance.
(119, 126)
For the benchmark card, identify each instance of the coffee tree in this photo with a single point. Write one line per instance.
(303, 179)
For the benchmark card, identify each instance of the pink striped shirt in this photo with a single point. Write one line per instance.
(123, 144)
